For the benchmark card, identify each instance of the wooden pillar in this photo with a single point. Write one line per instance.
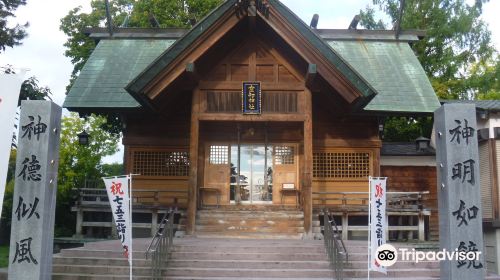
(308, 162)
(193, 159)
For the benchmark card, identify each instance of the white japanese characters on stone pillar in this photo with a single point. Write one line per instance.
(34, 200)
(460, 213)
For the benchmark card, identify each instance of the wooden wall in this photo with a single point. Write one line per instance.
(158, 134)
(416, 179)
(334, 131)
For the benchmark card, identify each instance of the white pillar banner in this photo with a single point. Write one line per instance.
(10, 86)
(118, 194)
(378, 220)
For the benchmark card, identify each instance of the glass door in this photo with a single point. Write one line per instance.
(255, 174)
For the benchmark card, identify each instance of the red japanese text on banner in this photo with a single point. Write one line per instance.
(118, 194)
(378, 224)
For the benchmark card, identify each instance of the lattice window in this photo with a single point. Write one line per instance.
(341, 165)
(284, 155)
(219, 154)
(161, 163)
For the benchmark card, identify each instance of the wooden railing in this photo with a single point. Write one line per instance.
(356, 201)
(95, 196)
(399, 204)
(146, 201)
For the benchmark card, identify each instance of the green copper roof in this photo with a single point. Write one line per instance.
(394, 71)
(111, 66)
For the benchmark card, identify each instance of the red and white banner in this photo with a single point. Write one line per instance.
(378, 221)
(118, 194)
(9, 95)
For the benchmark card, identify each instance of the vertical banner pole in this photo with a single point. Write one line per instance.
(130, 225)
(369, 222)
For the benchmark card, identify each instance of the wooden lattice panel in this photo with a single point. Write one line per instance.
(219, 155)
(161, 163)
(284, 155)
(341, 165)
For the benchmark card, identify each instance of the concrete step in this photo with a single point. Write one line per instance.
(100, 270)
(224, 229)
(239, 272)
(252, 249)
(201, 255)
(92, 253)
(251, 222)
(248, 235)
(249, 264)
(59, 260)
(78, 276)
(217, 214)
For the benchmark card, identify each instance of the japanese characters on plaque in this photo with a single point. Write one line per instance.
(251, 98)
(33, 210)
(459, 199)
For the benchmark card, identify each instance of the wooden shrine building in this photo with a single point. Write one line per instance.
(253, 108)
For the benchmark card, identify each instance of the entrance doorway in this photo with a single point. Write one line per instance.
(255, 167)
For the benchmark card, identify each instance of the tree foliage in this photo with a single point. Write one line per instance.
(168, 13)
(10, 37)
(79, 163)
(456, 39)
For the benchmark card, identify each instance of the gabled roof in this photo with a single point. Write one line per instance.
(361, 93)
(370, 60)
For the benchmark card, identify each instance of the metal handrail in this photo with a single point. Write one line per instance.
(161, 244)
(335, 247)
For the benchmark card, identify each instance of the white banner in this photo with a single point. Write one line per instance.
(10, 86)
(118, 194)
(378, 221)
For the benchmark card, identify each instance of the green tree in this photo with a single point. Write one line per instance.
(10, 36)
(77, 163)
(112, 169)
(168, 13)
(456, 39)
(30, 90)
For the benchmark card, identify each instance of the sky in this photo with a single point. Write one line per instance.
(42, 52)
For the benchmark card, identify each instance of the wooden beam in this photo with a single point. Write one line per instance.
(193, 159)
(236, 86)
(308, 161)
(312, 71)
(307, 51)
(192, 73)
(252, 118)
(192, 53)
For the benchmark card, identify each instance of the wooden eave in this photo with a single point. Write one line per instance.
(310, 46)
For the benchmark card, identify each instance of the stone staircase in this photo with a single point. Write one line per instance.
(250, 222)
(231, 259)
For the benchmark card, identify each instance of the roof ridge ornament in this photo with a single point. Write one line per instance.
(250, 7)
